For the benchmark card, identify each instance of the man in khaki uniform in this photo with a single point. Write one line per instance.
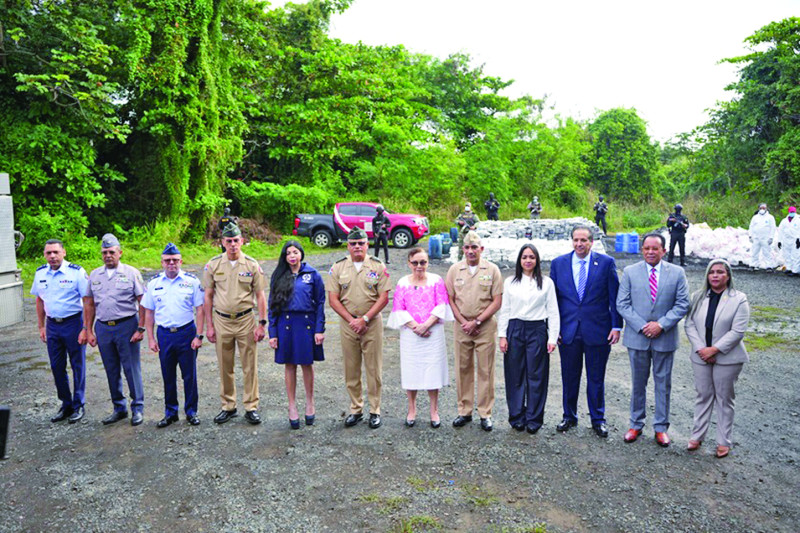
(234, 283)
(475, 287)
(358, 289)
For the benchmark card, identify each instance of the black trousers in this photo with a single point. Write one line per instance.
(680, 240)
(600, 220)
(526, 367)
(492, 215)
(382, 239)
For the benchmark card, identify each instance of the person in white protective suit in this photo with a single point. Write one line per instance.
(794, 244)
(762, 233)
(786, 240)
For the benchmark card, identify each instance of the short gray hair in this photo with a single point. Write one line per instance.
(582, 226)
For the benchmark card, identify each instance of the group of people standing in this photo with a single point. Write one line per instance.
(579, 310)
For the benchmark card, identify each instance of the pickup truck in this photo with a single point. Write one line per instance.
(324, 230)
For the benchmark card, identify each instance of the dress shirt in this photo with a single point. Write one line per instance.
(658, 276)
(115, 297)
(61, 290)
(576, 267)
(525, 301)
(173, 300)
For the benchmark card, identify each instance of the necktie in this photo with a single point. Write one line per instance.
(653, 284)
(582, 280)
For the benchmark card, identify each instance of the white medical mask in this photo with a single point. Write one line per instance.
(762, 211)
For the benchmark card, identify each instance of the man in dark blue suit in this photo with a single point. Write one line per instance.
(586, 288)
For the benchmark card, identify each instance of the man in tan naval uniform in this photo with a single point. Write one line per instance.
(358, 289)
(475, 288)
(234, 284)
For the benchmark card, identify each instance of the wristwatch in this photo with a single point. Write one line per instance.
(140, 329)
(199, 337)
(366, 319)
(478, 322)
(262, 322)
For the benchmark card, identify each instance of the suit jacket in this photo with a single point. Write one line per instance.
(635, 306)
(596, 315)
(730, 323)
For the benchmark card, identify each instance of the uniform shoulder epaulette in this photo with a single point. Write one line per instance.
(253, 259)
(41, 267)
(378, 259)
(189, 275)
(218, 256)
(342, 259)
(73, 265)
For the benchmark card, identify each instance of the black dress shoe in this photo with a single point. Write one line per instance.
(62, 414)
(136, 419)
(352, 419)
(518, 427)
(486, 424)
(460, 420)
(375, 421)
(436, 424)
(252, 417)
(601, 429)
(565, 424)
(116, 416)
(224, 416)
(532, 429)
(193, 420)
(166, 421)
(76, 415)
(294, 424)
(310, 420)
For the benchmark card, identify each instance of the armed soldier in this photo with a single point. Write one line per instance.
(600, 210)
(677, 224)
(467, 221)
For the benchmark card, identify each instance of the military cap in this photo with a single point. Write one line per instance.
(109, 241)
(472, 238)
(356, 234)
(171, 249)
(231, 230)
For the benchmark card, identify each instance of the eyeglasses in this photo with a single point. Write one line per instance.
(418, 263)
(172, 260)
(356, 243)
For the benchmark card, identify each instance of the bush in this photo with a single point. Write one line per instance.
(279, 203)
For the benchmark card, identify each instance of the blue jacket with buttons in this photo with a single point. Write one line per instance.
(308, 297)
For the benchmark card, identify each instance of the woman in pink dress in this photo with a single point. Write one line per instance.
(420, 308)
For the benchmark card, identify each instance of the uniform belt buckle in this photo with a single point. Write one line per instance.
(58, 320)
(173, 330)
(111, 323)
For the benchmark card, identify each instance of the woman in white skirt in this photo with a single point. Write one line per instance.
(420, 307)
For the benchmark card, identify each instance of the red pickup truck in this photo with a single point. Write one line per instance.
(324, 230)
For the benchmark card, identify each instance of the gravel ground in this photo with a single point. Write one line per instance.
(239, 477)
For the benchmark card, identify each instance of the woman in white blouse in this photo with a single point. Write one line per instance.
(528, 329)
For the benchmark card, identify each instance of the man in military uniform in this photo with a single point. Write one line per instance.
(358, 289)
(59, 286)
(535, 208)
(475, 287)
(234, 283)
(170, 301)
(600, 210)
(492, 206)
(466, 221)
(112, 297)
(380, 230)
(677, 224)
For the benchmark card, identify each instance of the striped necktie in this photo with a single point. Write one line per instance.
(582, 280)
(653, 284)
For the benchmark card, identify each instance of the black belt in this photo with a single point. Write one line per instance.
(235, 315)
(116, 321)
(179, 328)
(60, 320)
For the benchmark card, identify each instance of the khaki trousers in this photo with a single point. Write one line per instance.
(233, 332)
(714, 386)
(468, 350)
(369, 348)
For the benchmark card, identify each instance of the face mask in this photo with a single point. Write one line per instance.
(762, 211)
(791, 216)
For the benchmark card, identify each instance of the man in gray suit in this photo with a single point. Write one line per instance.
(653, 297)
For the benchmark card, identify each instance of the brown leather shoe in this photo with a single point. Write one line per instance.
(662, 439)
(723, 451)
(693, 445)
(632, 435)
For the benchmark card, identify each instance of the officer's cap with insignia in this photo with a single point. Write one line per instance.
(472, 238)
(356, 234)
(231, 230)
(171, 249)
(109, 241)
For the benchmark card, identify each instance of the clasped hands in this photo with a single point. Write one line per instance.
(652, 330)
(419, 329)
(358, 325)
(708, 354)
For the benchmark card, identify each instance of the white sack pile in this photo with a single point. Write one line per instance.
(502, 239)
(731, 244)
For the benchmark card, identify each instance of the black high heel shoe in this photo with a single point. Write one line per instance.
(410, 423)
(294, 423)
(436, 423)
(310, 420)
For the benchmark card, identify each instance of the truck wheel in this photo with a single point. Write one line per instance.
(402, 238)
(322, 238)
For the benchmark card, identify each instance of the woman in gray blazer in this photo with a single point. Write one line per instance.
(715, 326)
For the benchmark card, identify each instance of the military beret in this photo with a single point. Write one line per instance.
(472, 238)
(231, 230)
(171, 249)
(109, 241)
(356, 234)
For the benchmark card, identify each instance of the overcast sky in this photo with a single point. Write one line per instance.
(586, 56)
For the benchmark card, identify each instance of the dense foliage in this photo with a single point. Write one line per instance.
(156, 113)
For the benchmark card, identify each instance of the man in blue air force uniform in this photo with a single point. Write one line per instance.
(59, 286)
(170, 301)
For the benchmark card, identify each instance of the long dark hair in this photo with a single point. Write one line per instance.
(537, 270)
(281, 285)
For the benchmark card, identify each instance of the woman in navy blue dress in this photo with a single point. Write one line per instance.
(297, 324)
